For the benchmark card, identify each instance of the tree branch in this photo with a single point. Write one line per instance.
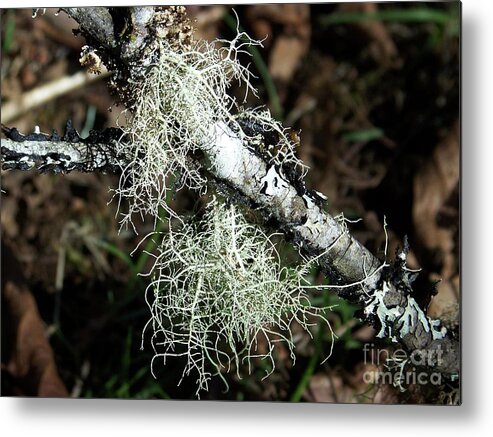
(60, 154)
(384, 290)
(95, 22)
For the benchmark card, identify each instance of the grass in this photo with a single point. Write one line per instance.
(90, 120)
(118, 369)
(446, 21)
(129, 381)
(116, 252)
(343, 311)
(411, 15)
(9, 30)
(363, 135)
(125, 383)
(311, 366)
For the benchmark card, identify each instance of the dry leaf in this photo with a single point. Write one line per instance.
(432, 186)
(285, 57)
(445, 305)
(29, 359)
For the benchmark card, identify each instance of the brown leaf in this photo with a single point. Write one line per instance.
(328, 388)
(206, 20)
(29, 358)
(337, 385)
(285, 57)
(432, 186)
(293, 16)
(291, 44)
(445, 305)
(385, 394)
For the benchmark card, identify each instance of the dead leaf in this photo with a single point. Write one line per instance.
(290, 43)
(206, 20)
(285, 57)
(295, 17)
(385, 394)
(432, 186)
(29, 358)
(339, 386)
(322, 388)
(445, 305)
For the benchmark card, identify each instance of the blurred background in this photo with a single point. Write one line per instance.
(372, 91)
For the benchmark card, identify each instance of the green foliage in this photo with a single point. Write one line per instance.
(363, 136)
(8, 24)
(411, 15)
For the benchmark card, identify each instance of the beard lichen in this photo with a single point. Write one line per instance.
(178, 104)
(219, 286)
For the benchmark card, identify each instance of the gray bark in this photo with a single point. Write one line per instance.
(97, 22)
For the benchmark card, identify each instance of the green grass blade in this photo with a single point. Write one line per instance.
(363, 136)
(310, 368)
(412, 15)
(9, 31)
(113, 250)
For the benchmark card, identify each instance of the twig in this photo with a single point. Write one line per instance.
(96, 22)
(52, 153)
(43, 94)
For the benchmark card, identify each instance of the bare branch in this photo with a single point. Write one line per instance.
(96, 22)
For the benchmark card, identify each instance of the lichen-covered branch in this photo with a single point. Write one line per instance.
(315, 231)
(236, 164)
(60, 154)
(383, 290)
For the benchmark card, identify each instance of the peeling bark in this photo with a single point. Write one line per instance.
(314, 230)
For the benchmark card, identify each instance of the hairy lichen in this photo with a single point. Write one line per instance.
(218, 286)
(182, 98)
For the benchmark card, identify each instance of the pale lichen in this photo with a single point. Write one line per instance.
(219, 288)
(397, 322)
